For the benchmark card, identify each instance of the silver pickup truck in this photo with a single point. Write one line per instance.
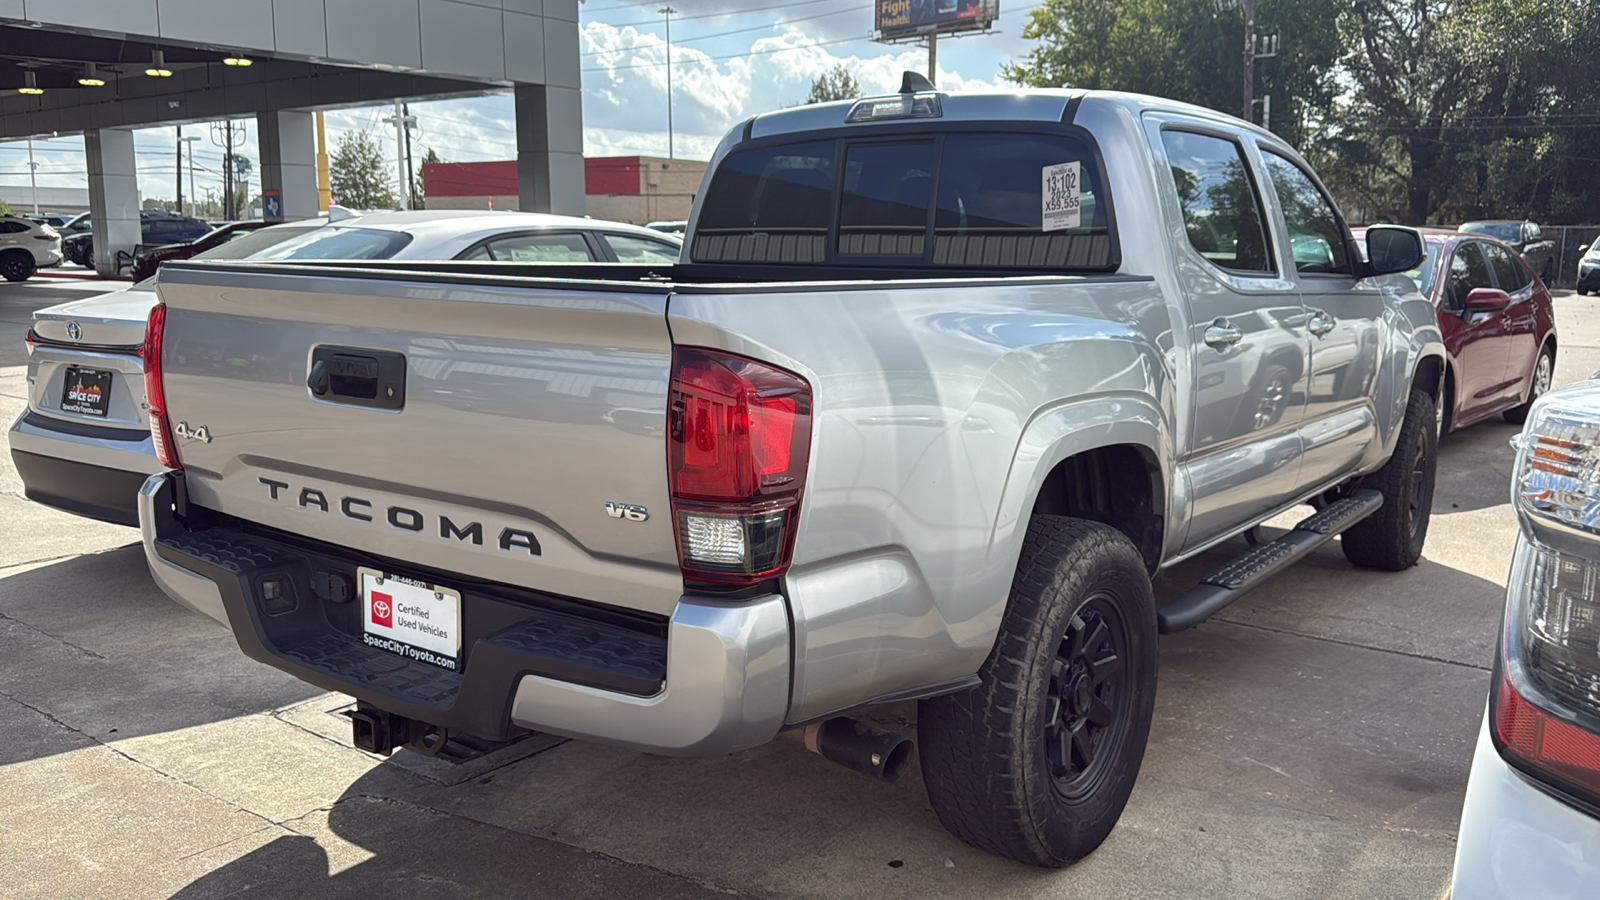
(939, 383)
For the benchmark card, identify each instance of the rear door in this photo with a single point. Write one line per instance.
(1344, 317)
(468, 424)
(1247, 337)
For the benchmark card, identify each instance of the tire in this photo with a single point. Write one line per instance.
(1538, 385)
(1080, 605)
(16, 265)
(1392, 537)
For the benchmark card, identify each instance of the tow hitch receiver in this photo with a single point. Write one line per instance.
(380, 732)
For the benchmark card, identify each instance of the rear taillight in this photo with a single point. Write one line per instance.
(1554, 748)
(154, 395)
(739, 440)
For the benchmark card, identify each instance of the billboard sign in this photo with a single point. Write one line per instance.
(910, 18)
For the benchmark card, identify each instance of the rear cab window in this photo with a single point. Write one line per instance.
(980, 199)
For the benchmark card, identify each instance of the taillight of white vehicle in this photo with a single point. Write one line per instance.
(155, 396)
(1545, 708)
(738, 443)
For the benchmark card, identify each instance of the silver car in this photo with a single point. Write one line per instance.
(83, 443)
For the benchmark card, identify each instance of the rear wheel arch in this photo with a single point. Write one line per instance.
(1120, 485)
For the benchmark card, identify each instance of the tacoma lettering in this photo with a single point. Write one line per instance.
(511, 540)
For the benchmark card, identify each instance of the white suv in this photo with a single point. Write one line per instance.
(25, 245)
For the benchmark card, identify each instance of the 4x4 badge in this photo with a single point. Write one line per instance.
(201, 434)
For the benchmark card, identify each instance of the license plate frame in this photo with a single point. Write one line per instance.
(411, 618)
(86, 391)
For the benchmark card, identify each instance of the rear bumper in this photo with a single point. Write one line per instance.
(81, 467)
(712, 679)
(1517, 841)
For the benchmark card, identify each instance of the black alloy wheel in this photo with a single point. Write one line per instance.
(1088, 704)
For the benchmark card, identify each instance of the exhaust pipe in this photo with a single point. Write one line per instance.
(860, 747)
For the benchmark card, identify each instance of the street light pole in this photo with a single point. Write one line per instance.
(194, 198)
(177, 175)
(1249, 59)
(669, 12)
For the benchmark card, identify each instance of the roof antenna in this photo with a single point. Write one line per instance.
(915, 83)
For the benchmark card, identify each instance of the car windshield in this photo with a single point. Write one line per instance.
(332, 242)
(1505, 231)
(1429, 270)
(256, 241)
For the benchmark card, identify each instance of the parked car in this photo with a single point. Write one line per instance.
(1522, 236)
(145, 262)
(930, 427)
(26, 245)
(677, 227)
(51, 219)
(1498, 323)
(1589, 269)
(83, 443)
(156, 229)
(1530, 826)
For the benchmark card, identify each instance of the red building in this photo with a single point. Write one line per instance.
(636, 189)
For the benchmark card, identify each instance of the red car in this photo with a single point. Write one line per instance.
(145, 262)
(1498, 325)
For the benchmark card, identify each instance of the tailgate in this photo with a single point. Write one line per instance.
(505, 415)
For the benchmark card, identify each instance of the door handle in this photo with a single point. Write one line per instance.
(1222, 334)
(1320, 323)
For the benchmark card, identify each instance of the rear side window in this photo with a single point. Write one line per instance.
(1220, 210)
(769, 205)
(547, 247)
(975, 199)
(1511, 276)
(630, 249)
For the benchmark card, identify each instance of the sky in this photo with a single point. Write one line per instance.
(730, 60)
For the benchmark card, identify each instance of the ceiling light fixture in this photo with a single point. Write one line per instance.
(158, 65)
(91, 76)
(30, 84)
(238, 61)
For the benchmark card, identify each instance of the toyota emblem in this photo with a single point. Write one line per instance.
(75, 331)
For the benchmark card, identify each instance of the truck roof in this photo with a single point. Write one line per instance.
(1021, 105)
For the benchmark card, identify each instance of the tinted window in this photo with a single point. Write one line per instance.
(1510, 276)
(540, 247)
(1316, 235)
(990, 209)
(12, 228)
(770, 204)
(776, 204)
(250, 243)
(630, 249)
(1468, 270)
(1220, 211)
(330, 242)
(883, 207)
(1509, 232)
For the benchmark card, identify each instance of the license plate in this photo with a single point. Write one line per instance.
(411, 618)
(87, 392)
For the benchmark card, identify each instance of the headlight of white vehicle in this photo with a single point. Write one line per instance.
(1546, 705)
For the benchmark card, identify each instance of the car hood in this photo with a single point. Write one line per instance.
(109, 320)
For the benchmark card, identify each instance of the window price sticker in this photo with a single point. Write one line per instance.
(1059, 196)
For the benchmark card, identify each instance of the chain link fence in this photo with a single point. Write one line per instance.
(1569, 239)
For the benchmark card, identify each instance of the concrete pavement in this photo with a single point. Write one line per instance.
(1311, 741)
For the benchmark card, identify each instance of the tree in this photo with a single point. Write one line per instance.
(356, 173)
(1190, 50)
(418, 195)
(5, 208)
(835, 84)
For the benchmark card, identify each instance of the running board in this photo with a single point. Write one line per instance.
(1230, 582)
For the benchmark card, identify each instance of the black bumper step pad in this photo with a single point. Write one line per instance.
(1261, 562)
(503, 639)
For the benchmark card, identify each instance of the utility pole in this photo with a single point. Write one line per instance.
(179, 173)
(194, 198)
(324, 177)
(226, 131)
(1249, 59)
(411, 173)
(933, 57)
(402, 155)
(669, 12)
(33, 177)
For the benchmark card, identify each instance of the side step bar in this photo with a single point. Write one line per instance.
(1230, 582)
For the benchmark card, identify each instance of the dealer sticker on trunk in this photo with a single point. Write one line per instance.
(411, 618)
(1059, 196)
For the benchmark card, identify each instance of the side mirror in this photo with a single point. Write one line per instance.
(1486, 300)
(1393, 248)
